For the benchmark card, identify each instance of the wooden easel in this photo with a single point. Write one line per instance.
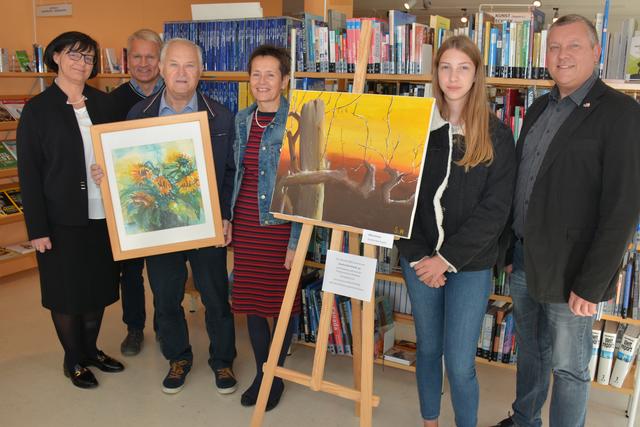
(362, 327)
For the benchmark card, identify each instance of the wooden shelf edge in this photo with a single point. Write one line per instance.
(621, 320)
(8, 219)
(393, 277)
(8, 173)
(17, 264)
(19, 74)
(12, 125)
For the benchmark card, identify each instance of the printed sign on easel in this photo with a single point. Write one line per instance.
(349, 275)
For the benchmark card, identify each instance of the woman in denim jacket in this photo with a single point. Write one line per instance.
(263, 245)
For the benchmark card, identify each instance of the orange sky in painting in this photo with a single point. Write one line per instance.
(378, 122)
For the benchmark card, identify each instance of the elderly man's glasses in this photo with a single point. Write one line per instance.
(76, 56)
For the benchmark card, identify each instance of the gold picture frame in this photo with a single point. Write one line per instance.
(154, 198)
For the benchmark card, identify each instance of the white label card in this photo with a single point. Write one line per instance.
(376, 238)
(349, 275)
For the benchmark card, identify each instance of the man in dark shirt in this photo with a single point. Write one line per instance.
(143, 57)
(575, 210)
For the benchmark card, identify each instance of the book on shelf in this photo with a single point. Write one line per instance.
(23, 60)
(13, 106)
(6, 205)
(401, 354)
(15, 197)
(21, 248)
(5, 115)
(625, 356)
(111, 61)
(7, 159)
(38, 58)
(632, 69)
(6, 254)
(11, 147)
(4, 60)
(607, 347)
(596, 335)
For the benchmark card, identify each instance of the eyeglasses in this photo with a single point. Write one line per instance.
(76, 56)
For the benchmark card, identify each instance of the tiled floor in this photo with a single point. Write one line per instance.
(33, 391)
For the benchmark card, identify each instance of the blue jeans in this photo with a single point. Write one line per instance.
(448, 322)
(132, 293)
(167, 277)
(550, 339)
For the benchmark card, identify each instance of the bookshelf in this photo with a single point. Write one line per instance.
(12, 227)
(627, 389)
(620, 85)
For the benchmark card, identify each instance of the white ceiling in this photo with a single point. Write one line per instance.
(618, 11)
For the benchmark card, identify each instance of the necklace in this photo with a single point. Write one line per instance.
(84, 98)
(255, 116)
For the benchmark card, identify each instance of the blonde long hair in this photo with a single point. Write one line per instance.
(475, 115)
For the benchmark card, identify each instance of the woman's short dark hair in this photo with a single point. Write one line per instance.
(74, 41)
(279, 53)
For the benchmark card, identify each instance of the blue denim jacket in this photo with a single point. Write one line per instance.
(268, 160)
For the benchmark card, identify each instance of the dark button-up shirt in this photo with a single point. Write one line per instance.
(537, 142)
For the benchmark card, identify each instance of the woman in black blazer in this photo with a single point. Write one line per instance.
(63, 209)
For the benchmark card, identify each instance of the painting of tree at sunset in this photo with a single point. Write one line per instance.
(353, 159)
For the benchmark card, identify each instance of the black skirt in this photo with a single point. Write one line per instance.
(78, 275)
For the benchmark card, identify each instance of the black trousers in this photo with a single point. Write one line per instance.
(167, 276)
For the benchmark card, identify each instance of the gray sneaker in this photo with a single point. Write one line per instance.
(132, 343)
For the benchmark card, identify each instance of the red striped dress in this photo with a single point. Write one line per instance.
(259, 251)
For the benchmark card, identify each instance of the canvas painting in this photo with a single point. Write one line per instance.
(353, 159)
(160, 193)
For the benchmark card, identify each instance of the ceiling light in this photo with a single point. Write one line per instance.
(464, 18)
(409, 4)
(537, 3)
(556, 15)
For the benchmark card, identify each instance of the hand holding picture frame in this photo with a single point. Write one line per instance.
(159, 192)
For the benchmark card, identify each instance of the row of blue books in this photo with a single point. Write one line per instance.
(228, 44)
(226, 93)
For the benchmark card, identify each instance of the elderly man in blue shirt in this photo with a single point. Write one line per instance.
(181, 67)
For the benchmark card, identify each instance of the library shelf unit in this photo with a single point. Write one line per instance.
(12, 227)
(620, 85)
(628, 388)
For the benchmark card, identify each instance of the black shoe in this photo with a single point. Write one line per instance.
(248, 400)
(507, 422)
(132, 343)
(174, 381)
(225, 380)
(104, 363)
(276, 393)
(81, 377)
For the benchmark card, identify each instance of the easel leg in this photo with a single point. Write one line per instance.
(320, 356)
(366, 405)
(281, 327)
(356, 325)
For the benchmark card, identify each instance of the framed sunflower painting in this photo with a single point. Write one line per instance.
(159, 192)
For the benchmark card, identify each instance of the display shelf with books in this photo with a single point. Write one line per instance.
(495, 333)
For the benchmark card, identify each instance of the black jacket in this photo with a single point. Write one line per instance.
(584, 205)
(222, 132)
(51, 163)
(475, 204)
(125, 97)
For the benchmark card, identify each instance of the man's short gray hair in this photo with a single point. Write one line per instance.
(573, 18)
(144, 34)
(168, 44)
